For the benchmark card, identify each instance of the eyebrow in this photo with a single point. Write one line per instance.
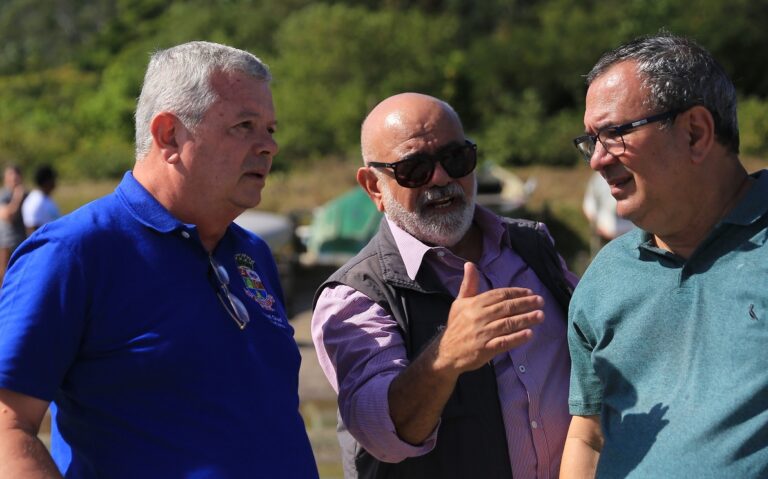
(607, 125)
(250, 114)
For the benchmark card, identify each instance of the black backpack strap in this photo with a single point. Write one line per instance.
(534, 245)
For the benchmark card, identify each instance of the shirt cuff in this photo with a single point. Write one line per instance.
(371, 424)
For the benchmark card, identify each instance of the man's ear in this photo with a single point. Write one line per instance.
(370, 183)
(701, 132)
(165, 128)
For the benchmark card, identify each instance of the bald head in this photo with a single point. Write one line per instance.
(404, 117)
(437, 208)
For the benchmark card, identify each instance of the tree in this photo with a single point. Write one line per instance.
(335, 62)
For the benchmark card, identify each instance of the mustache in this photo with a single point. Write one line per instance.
(437, 193)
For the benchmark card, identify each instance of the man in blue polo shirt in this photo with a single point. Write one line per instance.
(154, 325)
(668, 328)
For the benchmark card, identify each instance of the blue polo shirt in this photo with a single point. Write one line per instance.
(112, 313)
(673, 353)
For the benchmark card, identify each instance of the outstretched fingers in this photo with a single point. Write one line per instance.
(512, 320)
(511, 332)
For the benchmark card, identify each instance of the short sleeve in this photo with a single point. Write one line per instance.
(42, 317)
(586, 391)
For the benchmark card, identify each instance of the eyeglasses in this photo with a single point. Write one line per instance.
(236, 309)
(417, 169)
(612, 138)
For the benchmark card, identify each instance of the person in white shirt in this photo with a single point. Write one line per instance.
(38, 208)
(599, 207)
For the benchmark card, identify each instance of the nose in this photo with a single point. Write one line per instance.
(440, 177)
(266, 146)
(600, 157)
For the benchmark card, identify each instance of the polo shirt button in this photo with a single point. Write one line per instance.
(521, 368)
(441, 253)
(185, 234)
(534, 424)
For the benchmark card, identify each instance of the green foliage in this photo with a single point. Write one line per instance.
(32, 125)
(70, 71)
(753, 126)
(335, 62)
(522, 134)
(38, 34)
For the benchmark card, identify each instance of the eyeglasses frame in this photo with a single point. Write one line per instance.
(238, 315)
(620, 130)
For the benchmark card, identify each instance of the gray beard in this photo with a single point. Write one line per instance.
(430, 226)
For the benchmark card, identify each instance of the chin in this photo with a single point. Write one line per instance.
(634, 216)
(248, 203)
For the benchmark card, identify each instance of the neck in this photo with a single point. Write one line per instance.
(470, 247)
(708, 214)
(170, 192)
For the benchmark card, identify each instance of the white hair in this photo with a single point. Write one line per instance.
(178, 80)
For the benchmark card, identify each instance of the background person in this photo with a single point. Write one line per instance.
(446, 349)
(12, 231)
(155, 325)
(600, 209)
(669, 324)
(39, 208)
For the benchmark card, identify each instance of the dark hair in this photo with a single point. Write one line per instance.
(44, 175)
(678, 74)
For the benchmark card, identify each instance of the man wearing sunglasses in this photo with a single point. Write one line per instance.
(668, 328)
(447, 350)
(153, 324)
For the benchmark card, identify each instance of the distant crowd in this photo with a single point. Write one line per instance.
(22, 211)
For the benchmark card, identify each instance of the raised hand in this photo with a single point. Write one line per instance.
(480, 326)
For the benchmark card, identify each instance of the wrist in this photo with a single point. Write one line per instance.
(441, 363)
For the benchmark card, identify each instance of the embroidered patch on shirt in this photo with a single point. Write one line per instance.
(254, 287)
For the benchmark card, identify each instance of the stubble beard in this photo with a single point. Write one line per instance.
(431, 225)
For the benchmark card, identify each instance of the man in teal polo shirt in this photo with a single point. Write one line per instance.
(668, 328)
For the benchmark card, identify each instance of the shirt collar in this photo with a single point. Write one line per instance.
(145, 208)
(413, 251)
(753, 205)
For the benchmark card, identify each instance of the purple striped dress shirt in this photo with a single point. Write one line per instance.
(361, 351)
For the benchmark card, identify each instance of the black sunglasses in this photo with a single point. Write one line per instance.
(417, 169)
(236, 309)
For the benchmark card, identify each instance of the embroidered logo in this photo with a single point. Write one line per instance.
(752, 313)
(254, 287)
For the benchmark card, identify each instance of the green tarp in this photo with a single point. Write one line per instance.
(343, 226)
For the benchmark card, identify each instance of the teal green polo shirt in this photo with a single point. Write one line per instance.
(673, 353)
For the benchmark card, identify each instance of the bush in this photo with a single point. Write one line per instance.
(753, 126)
(524, 135)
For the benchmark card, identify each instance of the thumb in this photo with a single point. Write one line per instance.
(469, 285)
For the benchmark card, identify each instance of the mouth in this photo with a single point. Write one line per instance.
(443, 199)
(254, 175)
(620, 184)
(441, 203)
